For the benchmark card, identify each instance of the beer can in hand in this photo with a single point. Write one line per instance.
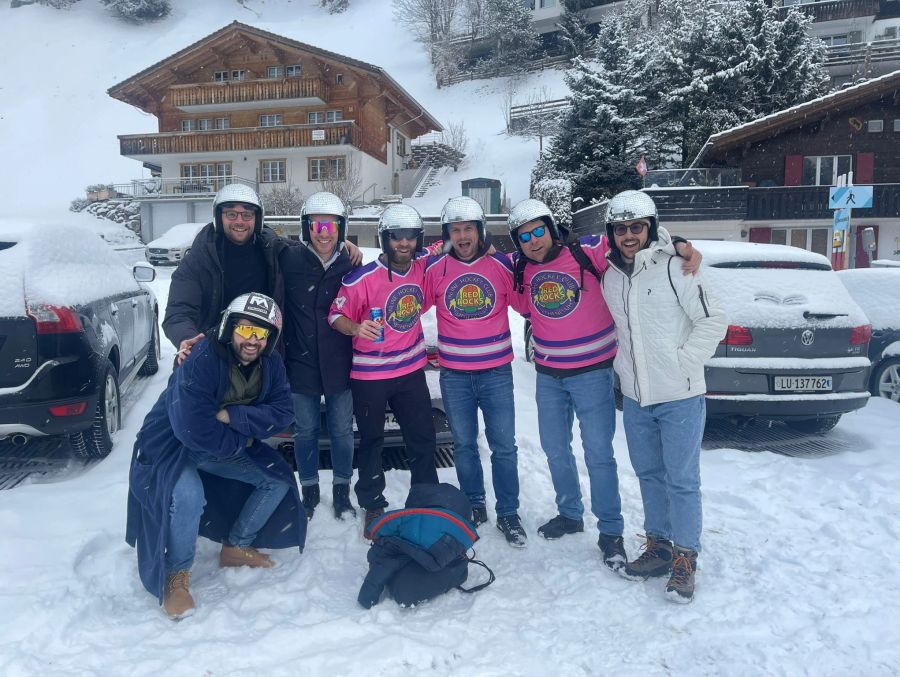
(377, 316)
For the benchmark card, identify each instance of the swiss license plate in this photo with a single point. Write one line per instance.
(807, 384)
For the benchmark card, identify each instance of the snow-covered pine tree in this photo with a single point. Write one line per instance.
(574, 35)
(335, 6)
(513, 34)
(140, 10)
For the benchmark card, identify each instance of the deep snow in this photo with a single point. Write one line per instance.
(798, 576)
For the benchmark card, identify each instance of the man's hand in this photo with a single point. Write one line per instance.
(355, 253)
(184, 349)
(369, 329)
(692, 258)
(222, 416)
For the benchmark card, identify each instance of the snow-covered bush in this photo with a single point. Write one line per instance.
(57, 4)
(140, 10)
(78, 204)
(335, 6)
(283, 201)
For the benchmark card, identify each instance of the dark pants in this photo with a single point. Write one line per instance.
(411, 403)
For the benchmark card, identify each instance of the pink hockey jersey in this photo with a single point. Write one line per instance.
(471, 301)
(570, 321)
(401, 300)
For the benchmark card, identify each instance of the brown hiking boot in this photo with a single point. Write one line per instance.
(656, 560)
(236, 556)
(680, 587)
(177, 601)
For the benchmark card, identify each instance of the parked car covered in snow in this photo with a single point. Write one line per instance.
(76, 328)
(877, 291)
(172, 245)
(796, 345)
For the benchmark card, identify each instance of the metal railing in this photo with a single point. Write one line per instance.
(859, 52)
(831, 10)
(223, 93)
(144, 189)
(691, 178)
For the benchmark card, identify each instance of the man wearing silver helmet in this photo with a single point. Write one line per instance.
(199, 466)
(575, 342)
(316, 356)
(470, 289)
(233, 255)
(668, 326)
(388, 356)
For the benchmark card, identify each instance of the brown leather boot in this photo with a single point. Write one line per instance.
(680, 587)
(177, 601)
(236, 556)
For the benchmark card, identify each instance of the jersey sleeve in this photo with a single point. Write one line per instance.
(596, 246)
(351, 301)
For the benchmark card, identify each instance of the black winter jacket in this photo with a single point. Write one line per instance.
(317, 357)
(197, 288)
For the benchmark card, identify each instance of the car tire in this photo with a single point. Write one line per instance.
(886, 379)
(151, 364)
(96, 441)
(529, 344)
(814, 425)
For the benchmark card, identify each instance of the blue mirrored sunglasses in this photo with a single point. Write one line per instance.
(537, 232)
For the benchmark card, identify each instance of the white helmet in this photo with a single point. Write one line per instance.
(526, 211)
(237, 193)
(323, 203)
(630, 205)
(256, 307)
(400, 217)
(459, 209)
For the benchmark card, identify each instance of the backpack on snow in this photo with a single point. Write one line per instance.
(421, 551)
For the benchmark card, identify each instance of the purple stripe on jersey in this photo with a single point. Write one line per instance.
(452, 357)
(388, 353)
(576, 341)
(575, 358)
(474, 342)
(393, 366)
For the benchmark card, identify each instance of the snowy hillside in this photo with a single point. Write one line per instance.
(58, 126)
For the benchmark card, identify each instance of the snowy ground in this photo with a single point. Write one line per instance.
(797, 577)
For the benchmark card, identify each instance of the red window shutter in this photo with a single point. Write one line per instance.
(763, 235)
(793, 170)
(865, 169)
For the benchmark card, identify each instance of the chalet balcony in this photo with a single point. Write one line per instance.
(213, 97)
(177, 188)
(811, 202)
(834, 10)
(139, 146)
(861, 52)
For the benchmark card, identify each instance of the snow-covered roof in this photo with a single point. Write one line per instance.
(802, 113)
(58, 265)
(877, 291)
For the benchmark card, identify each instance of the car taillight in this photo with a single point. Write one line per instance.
(737, 336)
(860, 334)
(73, 409)
(431, 354)
(54, 319)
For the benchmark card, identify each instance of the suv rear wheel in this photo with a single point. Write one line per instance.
(814, 425)
(96, 441)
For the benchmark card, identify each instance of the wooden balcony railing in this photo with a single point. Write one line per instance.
(251, 138)
(811, 202)
(835, 9)
(223, 93)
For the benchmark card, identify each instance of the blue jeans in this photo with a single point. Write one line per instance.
(339, 417)
(492, 390)
(664, 445)
(188, 500)
(590, 397)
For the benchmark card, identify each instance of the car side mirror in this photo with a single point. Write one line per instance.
(143, 272)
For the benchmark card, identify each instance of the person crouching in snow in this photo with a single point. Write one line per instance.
(199, 467)
(668, 326)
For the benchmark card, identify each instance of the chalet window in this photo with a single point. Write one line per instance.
(223, 123)
(334, 116)
(188, 125)
(204, 124)
(836, 40)
(547, 3)
(293, 71)
(273, 171)
(401, 145)
(816, 240)
(220, 76)
(824, 170)
(237, 75)
(897, 125)
(315, 118)
(338, 78)
(270, 120)
(205, 176)
(875, 126)
(275, 72)
(327, 168)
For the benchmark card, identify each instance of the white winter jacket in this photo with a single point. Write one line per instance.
(666, 323)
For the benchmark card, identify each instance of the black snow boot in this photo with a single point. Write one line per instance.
(613, 549)
(559, 526)
(512, 529)
(310, 499)
(340, 501)
(479, 515)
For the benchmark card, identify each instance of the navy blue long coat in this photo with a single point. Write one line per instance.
(184, 417)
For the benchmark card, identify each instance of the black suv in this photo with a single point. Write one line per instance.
(76, 328)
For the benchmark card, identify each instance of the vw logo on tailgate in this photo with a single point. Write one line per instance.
(807, 337)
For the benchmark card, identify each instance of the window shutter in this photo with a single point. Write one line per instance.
(865, 169)
(793, 170)
(763, 235)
